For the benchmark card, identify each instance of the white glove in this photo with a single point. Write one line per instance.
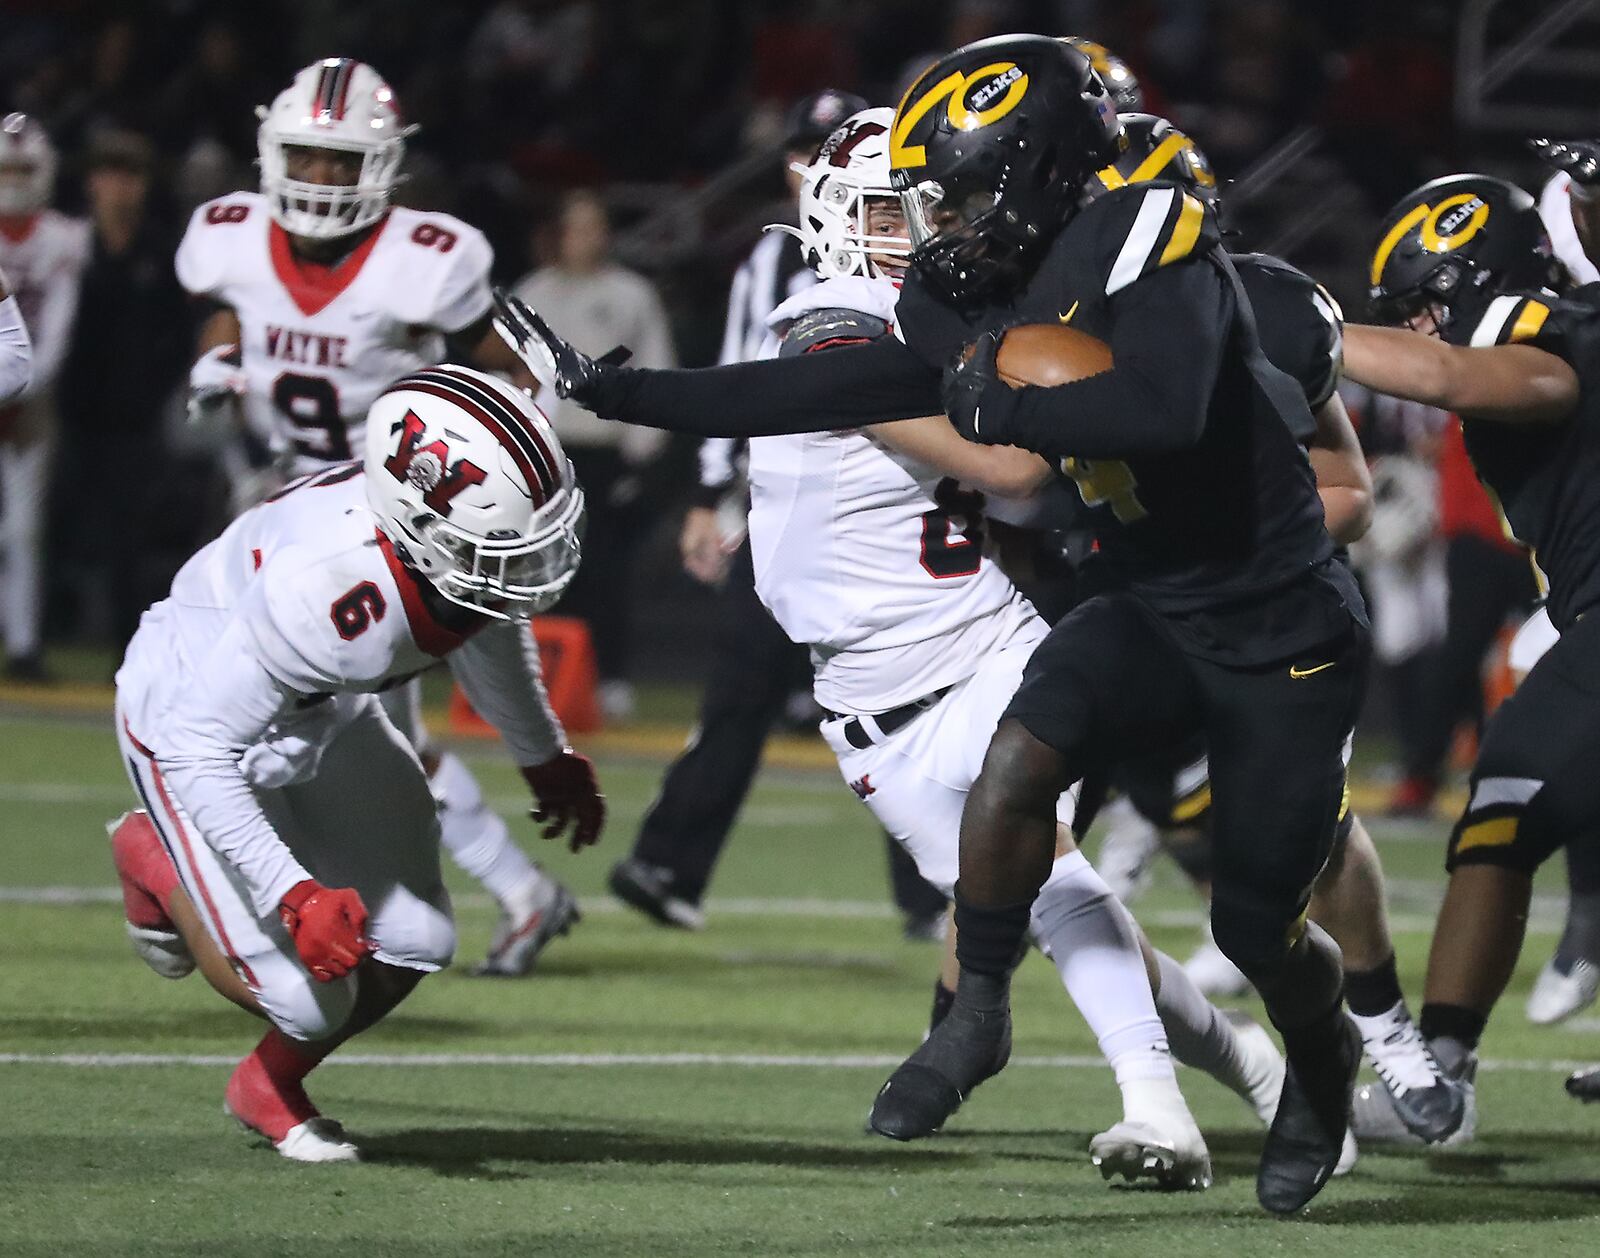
(216, 378)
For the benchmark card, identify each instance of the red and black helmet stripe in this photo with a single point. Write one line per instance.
(520, 439)
(333, 88)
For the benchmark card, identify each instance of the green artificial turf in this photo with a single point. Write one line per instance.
(741, 1154)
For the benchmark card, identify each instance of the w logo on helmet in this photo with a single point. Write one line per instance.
(428, 467)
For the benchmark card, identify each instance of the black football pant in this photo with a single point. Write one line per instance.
(1111, 682)
(1536, 783)
(754, 667)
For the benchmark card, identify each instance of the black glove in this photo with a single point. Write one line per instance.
(1579, 158)
(573, 374)
(977, 401)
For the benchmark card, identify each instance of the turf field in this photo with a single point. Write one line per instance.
(655, 1093)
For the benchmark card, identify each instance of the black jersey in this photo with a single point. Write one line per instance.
(1222, 515)
(1546, 477)
(1298, 322)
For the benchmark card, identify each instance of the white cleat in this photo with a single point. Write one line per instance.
(1214, 974)
(1263, 1067)
(1556, 996)
(530, 920)
(1137, 1150)
(318, 1140)
(162, 950)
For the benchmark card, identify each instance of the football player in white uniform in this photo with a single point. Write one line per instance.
(868, 547)
(326, 294)
(43, 254)
(287, 843)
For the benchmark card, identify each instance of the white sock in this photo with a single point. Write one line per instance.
(1200, 1034)
(476, 837)
(1094, 944)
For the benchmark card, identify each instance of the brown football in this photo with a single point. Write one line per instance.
(1049, 354)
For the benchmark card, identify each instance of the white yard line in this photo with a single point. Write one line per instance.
(1546, 918)
(607, 1061)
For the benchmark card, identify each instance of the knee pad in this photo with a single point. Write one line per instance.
(414, 933)
(301, 1007)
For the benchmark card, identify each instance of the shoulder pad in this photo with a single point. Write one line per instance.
(830, 329)
(1144, 227)
(1300, 324)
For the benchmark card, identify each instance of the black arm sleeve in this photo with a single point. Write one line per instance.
(1167, 337)
(844, 388)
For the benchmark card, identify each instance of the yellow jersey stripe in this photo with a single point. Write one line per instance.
(1529, 321)
(1185, 232)
(1496, 832)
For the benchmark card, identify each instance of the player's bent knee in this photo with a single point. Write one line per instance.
(1255, 937)
(304, 1009)
(415, 934)
(1020, 773)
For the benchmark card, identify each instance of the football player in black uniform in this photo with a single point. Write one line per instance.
(1300, 328)
(1464, 265)
(1232, 615)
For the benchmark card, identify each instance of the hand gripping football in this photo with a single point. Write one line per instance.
(1049, 354)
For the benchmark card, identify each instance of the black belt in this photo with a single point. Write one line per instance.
(855, 733)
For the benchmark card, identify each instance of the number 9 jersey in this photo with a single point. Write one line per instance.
(320, 343)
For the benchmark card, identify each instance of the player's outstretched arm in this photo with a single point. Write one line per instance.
(1343, 480)
(1512, 384)
(844, 388)
(931, 440)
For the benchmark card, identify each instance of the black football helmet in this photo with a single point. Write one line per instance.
(1158, 150)
(991, 151)
(1114, 72)
(1455, 242)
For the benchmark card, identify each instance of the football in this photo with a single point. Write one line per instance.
(1048, 354)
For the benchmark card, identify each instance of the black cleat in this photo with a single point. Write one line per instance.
(960, 1053)
(1585, 1084)
(648, 888)
(1307, 1134)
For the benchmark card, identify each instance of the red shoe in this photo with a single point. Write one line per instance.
(1413, 797)
(276, 1106)
(148, 881)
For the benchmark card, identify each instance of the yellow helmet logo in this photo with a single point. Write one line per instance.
(1445, 226)
(975, 100)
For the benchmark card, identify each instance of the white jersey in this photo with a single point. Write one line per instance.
(318, 343)
(44, 267)
(267, 647)
(871, 559)
(1555, 208)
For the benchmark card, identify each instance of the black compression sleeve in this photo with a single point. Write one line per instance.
(844, 388)
(1167, 337)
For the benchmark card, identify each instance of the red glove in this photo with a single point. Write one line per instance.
(567, 795)
(328, 926)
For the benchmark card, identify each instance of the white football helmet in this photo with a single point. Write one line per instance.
(851, 168)
(335, 104)
(27, 165)
(471, 485)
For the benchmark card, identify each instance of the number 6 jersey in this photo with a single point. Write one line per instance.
(870, 558)
(319, 343)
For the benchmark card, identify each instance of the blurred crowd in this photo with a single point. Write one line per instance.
(621, 156)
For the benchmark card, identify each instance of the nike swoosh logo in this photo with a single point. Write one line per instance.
(1067, 318)
(1297, 673)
